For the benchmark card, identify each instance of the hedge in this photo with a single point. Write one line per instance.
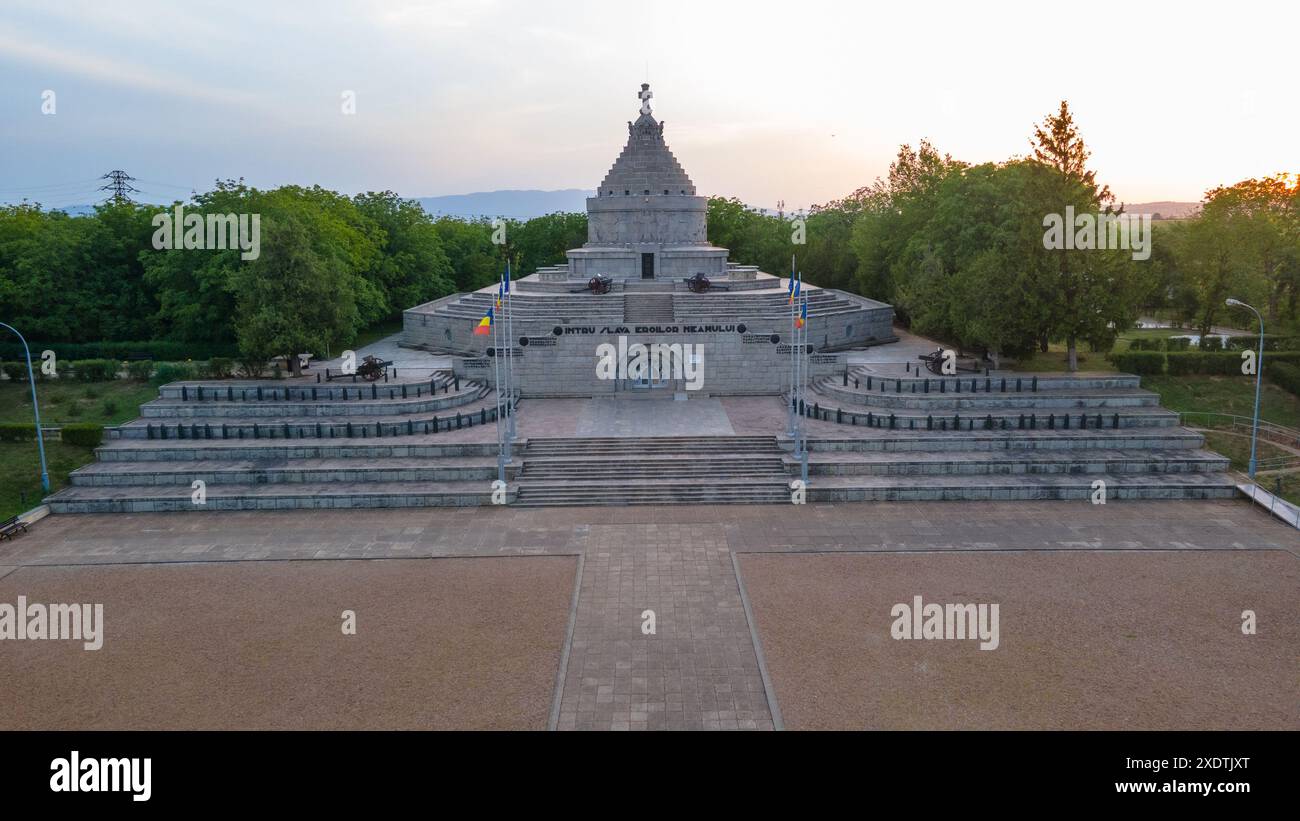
(85, 434)
(174, 372)
(160, 350)
(1196, 362)
(95, 370)
(1143, 363)
(1285, 376)
(17, 431)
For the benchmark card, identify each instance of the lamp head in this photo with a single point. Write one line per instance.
(1235, 301)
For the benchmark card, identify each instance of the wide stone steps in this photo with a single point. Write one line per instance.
(261, 390)
(651, 307)
(293, 426)
(878, 440)
(1036, 487)
(432, 446)
(653, 467)
(831, 409)
(998, 463)
(636, 447)
(1015, 382)
(361, 405)
(1062, 399)
(272, 497)
(664, 491)
(296, 471)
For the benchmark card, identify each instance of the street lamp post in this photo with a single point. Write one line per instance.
(36, 408)
(1259, 375)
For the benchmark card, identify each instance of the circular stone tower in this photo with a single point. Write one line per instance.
(646, 221)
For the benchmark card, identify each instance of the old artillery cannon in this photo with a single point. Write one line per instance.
(700, 284)
(934, 363)
(599, 284)
(372, 368)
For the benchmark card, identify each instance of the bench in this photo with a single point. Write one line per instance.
(11, 526)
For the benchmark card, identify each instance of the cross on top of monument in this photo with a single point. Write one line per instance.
(644, 97)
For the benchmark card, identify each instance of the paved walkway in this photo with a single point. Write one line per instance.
(699, 669)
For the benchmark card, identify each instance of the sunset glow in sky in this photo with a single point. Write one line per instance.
(801, 102)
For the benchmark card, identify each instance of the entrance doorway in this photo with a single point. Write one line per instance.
(647, 266)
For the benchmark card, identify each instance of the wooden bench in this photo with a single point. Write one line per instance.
(11, 526)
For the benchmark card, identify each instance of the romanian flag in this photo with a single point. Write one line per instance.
(499, 291)
(803, 315)
(484, 326)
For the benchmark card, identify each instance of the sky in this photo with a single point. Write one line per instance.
(768, 102)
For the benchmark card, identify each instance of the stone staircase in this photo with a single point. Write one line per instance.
(648, 307)
(270, 445)
(1000, 437)
(658, 470)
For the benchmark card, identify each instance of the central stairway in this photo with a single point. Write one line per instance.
(648, 307)
(653, 470)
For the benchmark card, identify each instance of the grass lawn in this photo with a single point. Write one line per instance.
(1236, 447)
(1054, 361)
(105, 403)
(20, 472)
(375, 333)
(1225, 394)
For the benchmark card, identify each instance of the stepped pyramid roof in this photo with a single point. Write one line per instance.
(646, 165)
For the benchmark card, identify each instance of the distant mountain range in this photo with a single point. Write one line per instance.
(509, 204)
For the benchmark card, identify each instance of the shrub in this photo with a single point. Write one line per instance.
(16, 371)
(1211, 343)
(1210, 363)
(221, 367)
(1285, 376)
(17, 431)
(140, 369)
(110, 407)
(1141, 344)
(95, 370)
(83, 434)
(1177, 343)
(1143, 363)
(253, 368)
(173, 372)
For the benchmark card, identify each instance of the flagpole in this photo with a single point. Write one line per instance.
(496, 370)
(789, 415)
(798, 372)
(807, 368)
(505, 370)
(510, 344)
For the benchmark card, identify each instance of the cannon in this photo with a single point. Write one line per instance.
(599, 284)
(697, 284)
(372, 368)
(934, 363)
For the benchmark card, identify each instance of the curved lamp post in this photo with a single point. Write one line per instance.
(1259, 374)
(36, 408)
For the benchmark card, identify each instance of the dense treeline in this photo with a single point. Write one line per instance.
(959, 249)
(329, 266)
